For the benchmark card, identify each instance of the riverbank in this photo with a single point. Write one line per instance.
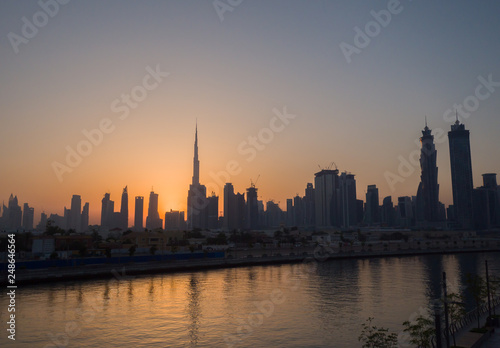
(240, 258)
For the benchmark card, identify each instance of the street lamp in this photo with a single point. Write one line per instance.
(437, 322)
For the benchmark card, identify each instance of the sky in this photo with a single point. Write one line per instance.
(99, 95)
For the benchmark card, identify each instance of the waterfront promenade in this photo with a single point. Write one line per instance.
(233, 258)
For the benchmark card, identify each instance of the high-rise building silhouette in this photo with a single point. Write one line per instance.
(12, 215)
(428, 191)
(326, 184)
(347, 198)
(298, 211)
(461, 174)
(28, 216)
(274, 215)
(42, 225)
(107, 209)
(229, 208)
(252, 208)
(289, 212)
(85, 217)
(241, 213)
(197, 195)
(123, 223)
(139, 213)
(153, 220)
(67, 219)
(309, 207)
(75, 217)
(174, 220)
(372, 215)
(213, 211)
(405, 211)
(486, 203)
(43, 222)
(388, 211)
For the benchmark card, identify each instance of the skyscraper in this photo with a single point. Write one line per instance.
(347, 200)
(85, 217)
(388, 211)
(107, 209)
(28, 216)
(197, 194)
(174, 220)
(274, 215)
(326, 201)
(298, 211)
(289, 212)
(461, 174)
(75, 217)
(213, 211)
(13, 214)
(486, 203)
(139, 213)
(229, 208)
(124, 210)
(241, 216)
(153, 220)
(43, 222)
(428, 187)
(252, 208)
(372, 215)
(405, 211)
(309, 206)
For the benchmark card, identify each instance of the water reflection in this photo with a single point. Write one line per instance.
(323, 304)
(151, 288)
(131, 290)
(194, 310)
(434, 271)
(105, 294)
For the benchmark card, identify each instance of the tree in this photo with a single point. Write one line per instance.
(494, 287)
(456, 309)
(153, 249)
(131, 250)
(375, 337)
(96, 238)
(82, 250)
(127, 232)
(51, 229)
(477, 287)
(420, 331)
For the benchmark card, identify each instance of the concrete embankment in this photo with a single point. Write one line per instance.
(235, 259)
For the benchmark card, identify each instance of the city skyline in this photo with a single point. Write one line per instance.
(365, 115)
(335, 202)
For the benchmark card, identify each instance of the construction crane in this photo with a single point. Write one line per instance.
(329, 167)
(252, 184)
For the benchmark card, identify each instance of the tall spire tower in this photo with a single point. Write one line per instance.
(197, 194)
(196, 162)
(428, 190)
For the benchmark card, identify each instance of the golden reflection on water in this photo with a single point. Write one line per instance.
(321, 303)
